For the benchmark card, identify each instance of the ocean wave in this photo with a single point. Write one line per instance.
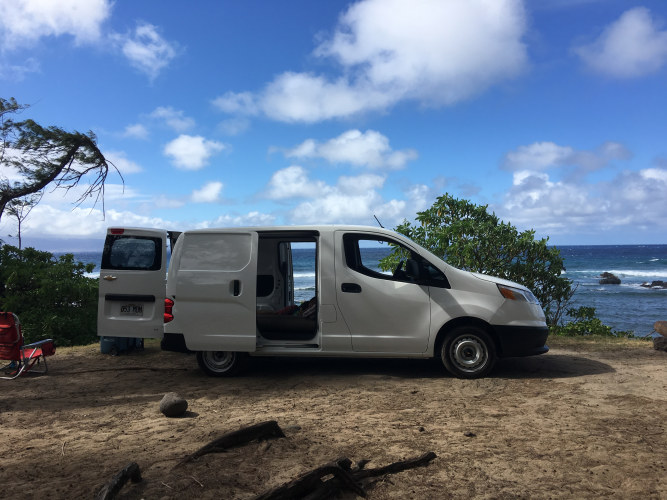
(304, 275)
(652, 274)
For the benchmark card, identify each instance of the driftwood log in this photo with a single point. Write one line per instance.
(111, 489)
(234, 439)
(313, 486)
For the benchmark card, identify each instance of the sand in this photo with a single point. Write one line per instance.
(582, 421)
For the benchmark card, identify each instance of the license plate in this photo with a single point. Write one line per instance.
(132, 309)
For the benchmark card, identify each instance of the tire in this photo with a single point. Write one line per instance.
(220, 363)
(468, 352)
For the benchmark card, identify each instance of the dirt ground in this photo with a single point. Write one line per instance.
(583, 421)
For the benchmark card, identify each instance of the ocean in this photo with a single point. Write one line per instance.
(624, 307)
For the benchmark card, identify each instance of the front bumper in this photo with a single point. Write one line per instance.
(515, 341)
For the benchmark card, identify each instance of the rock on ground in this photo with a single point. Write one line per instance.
(173, 405)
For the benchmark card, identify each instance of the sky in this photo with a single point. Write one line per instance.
(226, 113)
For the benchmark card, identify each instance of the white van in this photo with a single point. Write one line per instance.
(309, 291)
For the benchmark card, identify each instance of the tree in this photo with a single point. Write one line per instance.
(52, 297)
(21, 208)
(468, 237)
(44, 156)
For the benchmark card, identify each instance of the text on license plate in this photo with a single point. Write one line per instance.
(132, 309)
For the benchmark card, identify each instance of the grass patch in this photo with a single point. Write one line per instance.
(598, 342)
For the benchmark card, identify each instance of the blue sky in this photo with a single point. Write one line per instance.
(301, 112)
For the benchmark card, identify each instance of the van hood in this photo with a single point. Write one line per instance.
(499, 281)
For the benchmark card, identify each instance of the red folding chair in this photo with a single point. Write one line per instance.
(23, 358)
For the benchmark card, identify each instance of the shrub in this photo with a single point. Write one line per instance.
(468, 237)
(586, 323)
(52, 297)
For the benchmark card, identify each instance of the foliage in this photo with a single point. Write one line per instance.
(44, 156)
(468, 237)
(586, 323)
(52, 297)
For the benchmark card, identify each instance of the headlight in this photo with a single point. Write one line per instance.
(512, 293)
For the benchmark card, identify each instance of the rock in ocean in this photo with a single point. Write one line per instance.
(609, 279)
(655, 284)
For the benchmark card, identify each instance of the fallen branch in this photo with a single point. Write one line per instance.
(311, 485)
(111, 489)
(312, 481)
(264, 430)
(396, 467)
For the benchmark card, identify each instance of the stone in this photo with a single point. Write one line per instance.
(655, 284)
(609, 279)
(661, 327)
(660, 343)
(173, 405)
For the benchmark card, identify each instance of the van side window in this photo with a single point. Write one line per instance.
(364, 253)
(138, 253)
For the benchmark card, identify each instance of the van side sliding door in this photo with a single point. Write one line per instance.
(214, 288)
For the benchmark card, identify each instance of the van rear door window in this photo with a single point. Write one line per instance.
(138, 253)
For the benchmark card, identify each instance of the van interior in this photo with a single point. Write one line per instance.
(287, 286)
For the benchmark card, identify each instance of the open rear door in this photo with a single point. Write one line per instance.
(132, 283)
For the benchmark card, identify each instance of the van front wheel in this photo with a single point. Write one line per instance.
(468, 352)
(219, 363)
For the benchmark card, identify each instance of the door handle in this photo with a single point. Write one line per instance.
(236, 288)
(350, 288)
(108, 277)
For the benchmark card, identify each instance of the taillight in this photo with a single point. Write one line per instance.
(116, 230)
(168, 310)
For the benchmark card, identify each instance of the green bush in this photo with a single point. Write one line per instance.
(52, 297)
(586, 323)
(468, 237)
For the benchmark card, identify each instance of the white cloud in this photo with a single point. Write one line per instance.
(234, 126)
(253, 218)
(548, 155)
(352, 199)
(164, 202)
(173, 118)
(17, 72)
(136, 131)
(302, 97)
(632, 46)
(146, 50)
(231, 102)
(192, 152)
(23, 22)
(437, 52)
(47, 220)
(293, 182)
(122, 163)
(632, 201)
(367, 149)
(656, 174)
(343, 207)
(538, 156)
(209, 193)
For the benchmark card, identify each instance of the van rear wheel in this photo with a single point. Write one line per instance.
(219, 363)
(468, 352)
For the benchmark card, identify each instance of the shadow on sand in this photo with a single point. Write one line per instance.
(548, 366)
